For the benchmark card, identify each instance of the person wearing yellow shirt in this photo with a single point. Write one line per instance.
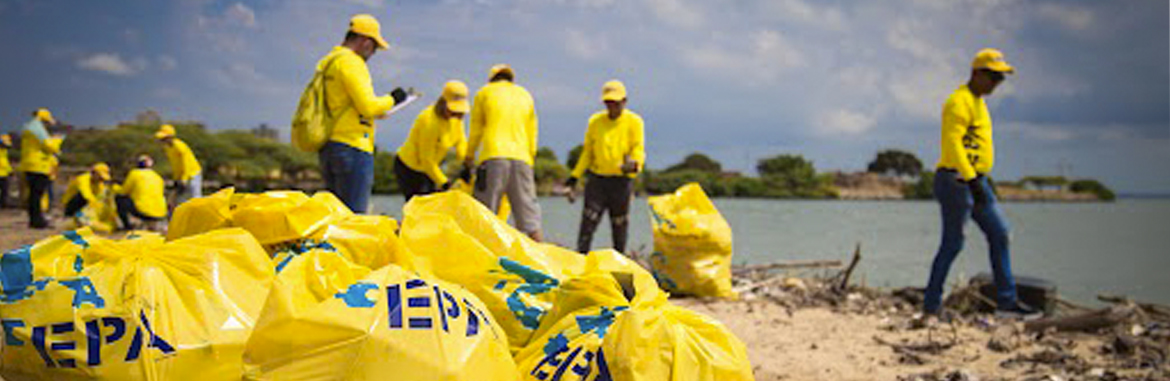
(85, 189)
(612, 156)
(437, 130)
(962, 188)
(347, 159)
(38, 152)
(141, 195)
(502, 148)
(5, 169)
(185, 168)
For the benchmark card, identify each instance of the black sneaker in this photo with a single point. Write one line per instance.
(1018, 311)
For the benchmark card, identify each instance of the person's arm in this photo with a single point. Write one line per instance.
(586, 157)
(475, 131)
(638, 144)
(52, 145)
(128, 185)
(355, 77)
(176, 154)
(85, 191)
(430, 150)
(532, 129)
(955, 121)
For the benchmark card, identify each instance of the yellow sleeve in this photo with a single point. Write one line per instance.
(355, 76)
(431, 149)
(638, 143)
(532, 129)
(460, 142)
(586, 158)
(52, 145)
(128, 185)
(85, 191)
(476, 129)
(955, 121)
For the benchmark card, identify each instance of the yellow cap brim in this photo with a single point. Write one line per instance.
(1001, 67)
(105, 176)
(461, 107)
(162, 135)
(381, 42)
(612, 97)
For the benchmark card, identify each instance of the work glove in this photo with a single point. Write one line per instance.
(446, 186)
(465, 174)
(398, 94)
(978, 195)
(571, 182)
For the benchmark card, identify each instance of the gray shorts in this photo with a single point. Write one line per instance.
(497, 177)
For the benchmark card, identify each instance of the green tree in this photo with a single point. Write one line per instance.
(923, 189)
(1095, 187)
(895, 162)
(574, 155)
(384, 180)
(794, 176)
(697, 161)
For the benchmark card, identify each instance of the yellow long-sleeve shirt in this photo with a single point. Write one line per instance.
(609, 141)
(36, 155)
(82, 186)
(349, 92)
(184, 165)
(503, 123)
(966, 144)
(145, 187)
(5, 166)
(429, 140)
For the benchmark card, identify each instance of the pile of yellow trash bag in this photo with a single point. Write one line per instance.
(287, 286)
(80, 307)
(692, 244)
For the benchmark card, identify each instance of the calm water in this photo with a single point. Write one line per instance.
(1085, 248)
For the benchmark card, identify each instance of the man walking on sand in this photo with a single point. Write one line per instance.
(503, 138)
(437, 129)
(962, 188)
(347, 159)
(613, 154)
(185, 169)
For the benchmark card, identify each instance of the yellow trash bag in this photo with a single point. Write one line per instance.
(136, 309)
(282, 216)
(612, 322)
(330, 319)
(370, 241)
(505, 206)
(201, 215)
(692, 244)
(462, 242)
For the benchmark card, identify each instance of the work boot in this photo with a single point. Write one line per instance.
(1018, 311)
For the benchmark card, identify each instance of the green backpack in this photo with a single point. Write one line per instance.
(313, 121)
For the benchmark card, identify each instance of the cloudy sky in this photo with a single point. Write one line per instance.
(835, 81)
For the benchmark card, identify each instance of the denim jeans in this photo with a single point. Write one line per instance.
(956, 202)
(349, 174)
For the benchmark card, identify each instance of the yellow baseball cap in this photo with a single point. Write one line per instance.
(368, 26)
(102, 170)
(45, 116)
(500, 68)
(455, 93)
(613, 91)
(165, 131)
(991, 59)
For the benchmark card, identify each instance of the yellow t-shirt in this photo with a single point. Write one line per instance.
(82, 185)
(184, 165)
(37, 156)
(429, 140)
(5, 166)
(349, 92)
(966, 144)
(609, 141)
(503, 123)
(146, 188)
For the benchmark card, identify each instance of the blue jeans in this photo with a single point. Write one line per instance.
(957, 204)
(349, 174)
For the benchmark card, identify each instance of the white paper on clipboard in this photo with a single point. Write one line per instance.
(405, 102)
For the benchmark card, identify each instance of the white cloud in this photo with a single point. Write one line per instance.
(676, 12)
(766, 57)
(827, 17)
(240, 14)
(109, 63)
(1069, 16)
(841, 121)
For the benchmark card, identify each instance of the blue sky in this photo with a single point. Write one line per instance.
(835, 81)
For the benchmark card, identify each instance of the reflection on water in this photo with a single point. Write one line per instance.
(1085, 248)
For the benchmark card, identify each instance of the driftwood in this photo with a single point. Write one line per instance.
(1150, 310)
(762, 283)
(844, 285)
(1084, 322)
(789, 265)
